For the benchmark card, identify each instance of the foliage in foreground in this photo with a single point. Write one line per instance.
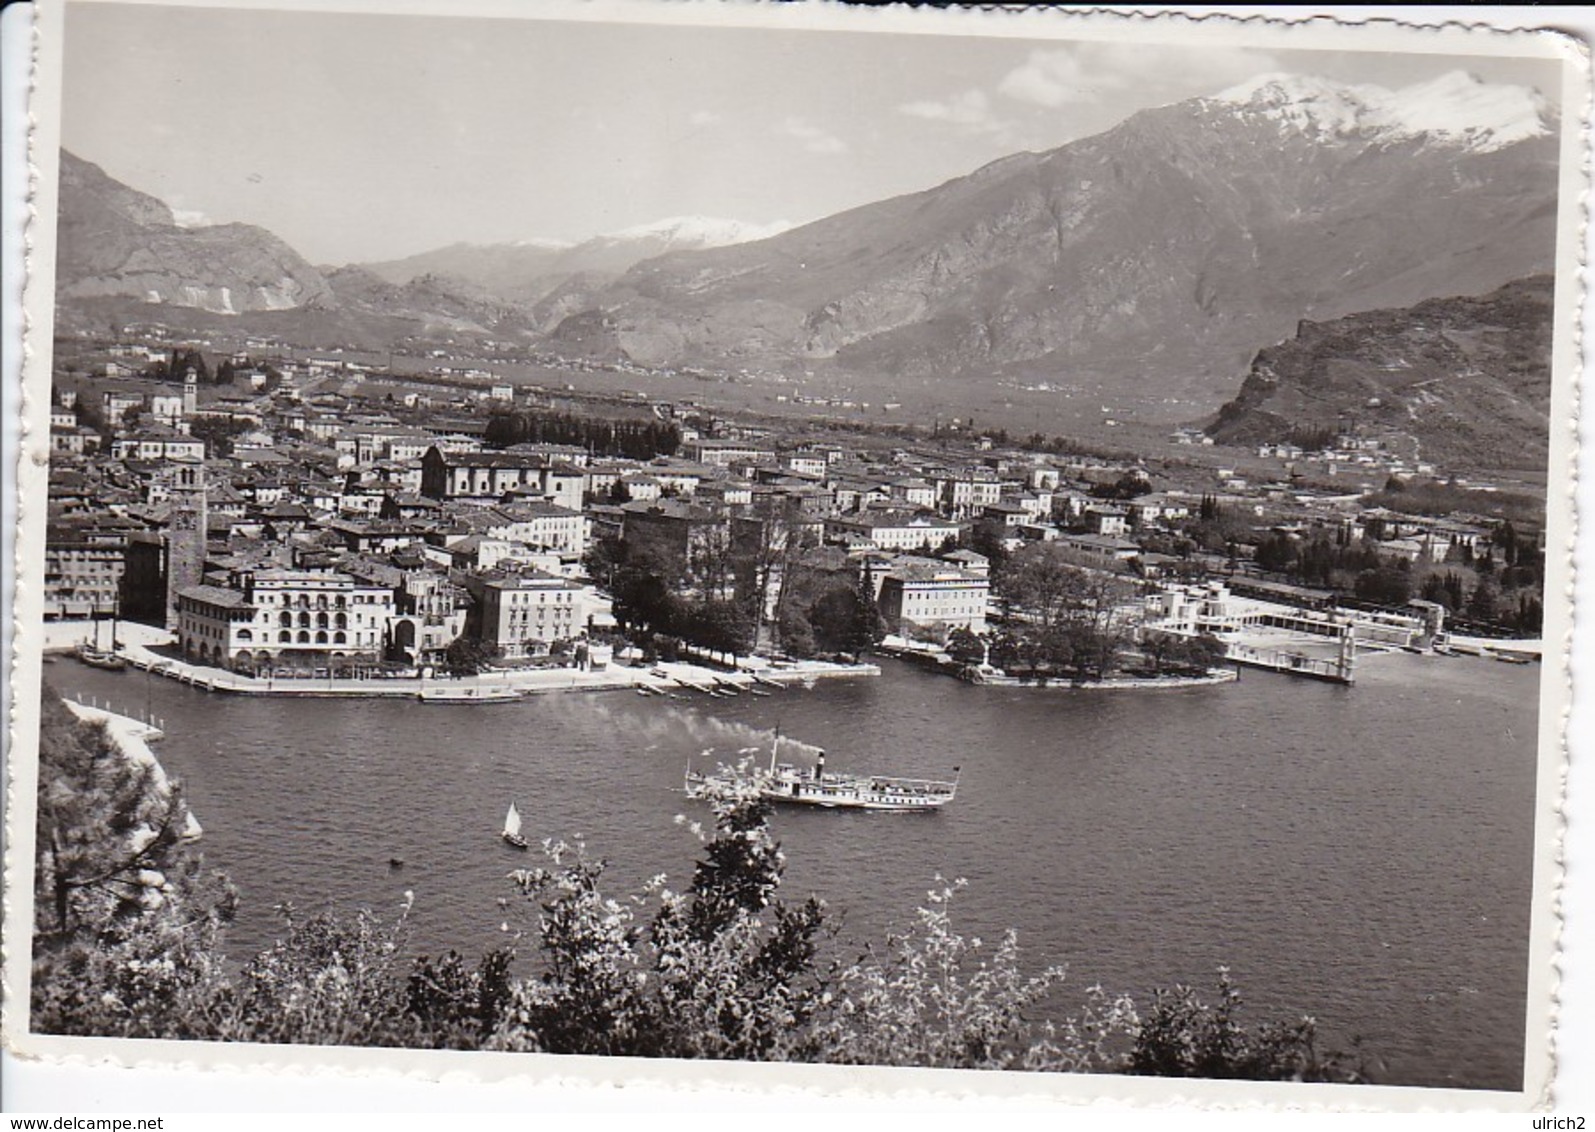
(723, 969)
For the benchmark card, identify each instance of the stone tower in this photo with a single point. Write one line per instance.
(190, 392)
(185, 532)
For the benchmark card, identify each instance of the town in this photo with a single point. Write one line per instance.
(286, 516)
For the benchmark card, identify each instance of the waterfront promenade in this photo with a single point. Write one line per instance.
(143, 647)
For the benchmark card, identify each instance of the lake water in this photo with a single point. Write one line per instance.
(1360, 854)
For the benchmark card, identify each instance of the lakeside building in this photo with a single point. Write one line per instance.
(920, 596)
(275, 616)
(522, 615)
(83, 567)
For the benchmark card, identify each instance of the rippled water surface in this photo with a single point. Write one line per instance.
(1361, 854)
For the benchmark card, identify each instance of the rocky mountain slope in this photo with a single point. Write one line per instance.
(117, 242)
(435, 304)
(1156, 255)
(1466, 381)
(122, 257)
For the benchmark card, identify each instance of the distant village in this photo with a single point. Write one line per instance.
(284, 512)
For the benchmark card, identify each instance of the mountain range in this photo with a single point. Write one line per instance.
(1147, 262)
(530, 269)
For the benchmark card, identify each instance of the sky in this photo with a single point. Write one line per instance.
(362, 137)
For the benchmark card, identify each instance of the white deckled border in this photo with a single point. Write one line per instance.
(494, 1077)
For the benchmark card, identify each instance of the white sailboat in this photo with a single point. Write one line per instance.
(512, 827)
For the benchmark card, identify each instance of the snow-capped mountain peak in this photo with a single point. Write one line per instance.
(698, 232)
(546, 245)
(1455, 108)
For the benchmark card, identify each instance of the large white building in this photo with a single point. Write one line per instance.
(522, 615)
(158, 443)
(284, 616)
(891, 530)
(540, 525)
(920, 595)
(489, 477)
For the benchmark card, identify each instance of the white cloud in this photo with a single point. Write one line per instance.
(972, 112)
(814, 139)
(1148, 74)
(190, 218)
(702, 118)
(970, 108)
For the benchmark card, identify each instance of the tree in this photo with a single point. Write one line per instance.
(111, 832)
(125, 928)
(1129, 485)
(185, 360)
(218, 434)
(965, 646)
(1506, 539)
(644, 586)
(1277, 553)
(1160, 649)
(797, 635)
(89, 415)
(1530, 614)
(846, 619)
(1386, 585)
(1183, 1036)
(1485, 600)
(1202, 653)
(467, 656)
(1041, 581)
(762, 551)
(1434, 589)
(721, 626)
(724, 969)
(867, 626)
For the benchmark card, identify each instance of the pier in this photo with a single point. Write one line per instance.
(1317, 643)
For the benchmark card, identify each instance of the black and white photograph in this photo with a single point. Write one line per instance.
(1012, 551)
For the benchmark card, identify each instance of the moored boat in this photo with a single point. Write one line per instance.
(467, 695)
(100, 658)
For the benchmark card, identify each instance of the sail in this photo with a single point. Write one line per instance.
(512, 822)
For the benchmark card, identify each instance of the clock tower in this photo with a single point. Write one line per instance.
(185, 532)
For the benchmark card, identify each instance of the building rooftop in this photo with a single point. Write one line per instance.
(215, 595)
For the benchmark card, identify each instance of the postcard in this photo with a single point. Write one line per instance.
(982, 554)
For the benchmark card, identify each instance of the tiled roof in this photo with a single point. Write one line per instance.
(215, 595)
